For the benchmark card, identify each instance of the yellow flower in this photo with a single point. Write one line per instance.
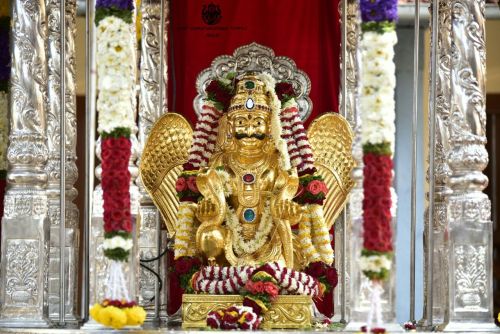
(112, 316)
(498, 316)
(94, 311)
(242, 319)
(135, 315)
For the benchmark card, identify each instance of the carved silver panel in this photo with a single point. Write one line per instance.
(441, 175)
(53, 164)
(256, 57)
(354, 208)
(469, 214)
(151, 106)
(23, 281)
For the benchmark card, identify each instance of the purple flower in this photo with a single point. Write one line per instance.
(118, 4)
(379, 10)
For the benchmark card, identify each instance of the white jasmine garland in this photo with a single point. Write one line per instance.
(276, 129)
(4, 129)
(118, 242)
(115, 68)
(225, 178)
(265, 225)
(377, 90)
(375, 263)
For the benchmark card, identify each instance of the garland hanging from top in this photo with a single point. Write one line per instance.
(115, 68)
(378, 135)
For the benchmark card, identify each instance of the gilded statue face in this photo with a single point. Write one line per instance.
(251, 129)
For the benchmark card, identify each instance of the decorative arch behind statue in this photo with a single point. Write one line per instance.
(306, 31)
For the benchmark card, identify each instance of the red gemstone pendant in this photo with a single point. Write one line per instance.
(249, 178)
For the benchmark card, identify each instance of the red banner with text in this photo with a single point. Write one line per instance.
(306, 31)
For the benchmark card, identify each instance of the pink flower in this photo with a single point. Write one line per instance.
(180, 185)
(271, 289)
(191, 183)
(315, 187)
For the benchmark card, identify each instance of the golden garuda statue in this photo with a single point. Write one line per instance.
(250, 185)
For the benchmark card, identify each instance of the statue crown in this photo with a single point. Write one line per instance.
(250, 95)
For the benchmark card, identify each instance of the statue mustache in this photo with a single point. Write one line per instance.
(259, 136)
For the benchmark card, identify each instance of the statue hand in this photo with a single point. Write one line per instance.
(289, 210)
(207, 210)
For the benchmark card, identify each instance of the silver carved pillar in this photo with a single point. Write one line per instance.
(441, 176)
(151, 107)
(462, 228)
(354, 211)
(469, 209)
(25, 227)
(53, 164)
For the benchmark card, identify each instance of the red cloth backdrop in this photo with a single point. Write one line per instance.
(306, 31)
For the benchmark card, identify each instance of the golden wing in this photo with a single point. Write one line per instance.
(331, 138)
(161, 163)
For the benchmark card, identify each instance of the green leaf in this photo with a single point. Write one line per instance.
(102, 13)
(379, 27)
(117, 254)
(379, 149)
(116, 133)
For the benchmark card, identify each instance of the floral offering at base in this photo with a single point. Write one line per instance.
(115, 68)
(378, 136)
(234, 317)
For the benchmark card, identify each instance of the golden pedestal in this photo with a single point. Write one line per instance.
(285, 312)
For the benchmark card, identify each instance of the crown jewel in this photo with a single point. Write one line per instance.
(250, 95)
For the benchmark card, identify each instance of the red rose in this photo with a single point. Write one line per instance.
(315, 187)
(332, 277)
(316, 269)
(191, 183)
(283, 90)
(182, 266)
(180, 185)
(123, 143)
(218, 92)
(271, 289)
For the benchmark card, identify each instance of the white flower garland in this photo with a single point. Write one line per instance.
(118, 242)
(115, 67)
(226, 184)
(240, 245)
(375, 263)
(4, 129)
(378, 81)
(276, 129)
(229, 280)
